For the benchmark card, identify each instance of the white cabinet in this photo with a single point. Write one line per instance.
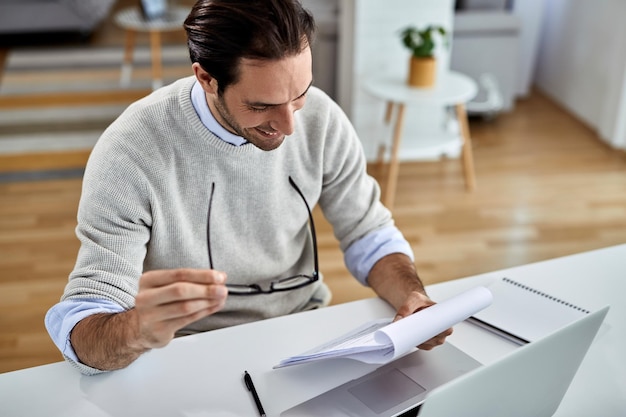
(488, 42)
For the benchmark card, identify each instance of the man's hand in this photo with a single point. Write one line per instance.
(415, 302)
(167, 300)
(395, 279)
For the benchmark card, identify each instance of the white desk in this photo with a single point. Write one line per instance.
(202, 375)
(451, 89)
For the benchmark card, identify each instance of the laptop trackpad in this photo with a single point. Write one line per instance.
(386, 390)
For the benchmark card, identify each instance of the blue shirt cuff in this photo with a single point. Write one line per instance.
(361, 256)
(62, 317)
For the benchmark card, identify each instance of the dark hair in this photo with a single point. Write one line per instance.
(222, 32)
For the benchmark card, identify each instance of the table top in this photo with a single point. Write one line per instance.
(202, 375)
(131, 18)
(450, 88)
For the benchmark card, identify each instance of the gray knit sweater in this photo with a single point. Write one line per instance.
(146, 195)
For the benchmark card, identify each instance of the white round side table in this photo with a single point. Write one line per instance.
(451, 89)
(132, 21)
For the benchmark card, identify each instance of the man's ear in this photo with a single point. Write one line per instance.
(208, 83)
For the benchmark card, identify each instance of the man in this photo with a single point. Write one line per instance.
(195, 210)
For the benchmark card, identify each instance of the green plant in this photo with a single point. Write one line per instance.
(421, 43)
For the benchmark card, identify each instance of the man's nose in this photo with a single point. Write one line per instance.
(284, 119)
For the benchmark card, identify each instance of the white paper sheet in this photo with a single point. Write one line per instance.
(381, 341)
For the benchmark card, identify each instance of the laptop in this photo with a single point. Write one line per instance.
(432, 384)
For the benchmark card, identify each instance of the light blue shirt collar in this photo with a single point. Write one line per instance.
(198, 99)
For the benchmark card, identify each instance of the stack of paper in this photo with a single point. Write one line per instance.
(381, 341)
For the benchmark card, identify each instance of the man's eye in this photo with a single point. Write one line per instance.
(258, 109)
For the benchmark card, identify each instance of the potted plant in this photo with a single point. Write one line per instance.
(421, 43)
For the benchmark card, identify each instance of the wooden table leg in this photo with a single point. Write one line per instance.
(392, 175)
(155, 51)
(380, 163)
(382, 149)
(468, 157)
(127, 63)
(388, 112)
(4, 54)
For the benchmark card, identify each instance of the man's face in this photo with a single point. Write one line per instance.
(260, 107)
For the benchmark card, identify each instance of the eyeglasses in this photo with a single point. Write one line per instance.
(283, 284)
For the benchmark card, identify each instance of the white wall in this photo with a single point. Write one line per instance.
(326, 13)
(582, 63)
(370, 45)
(530, 13)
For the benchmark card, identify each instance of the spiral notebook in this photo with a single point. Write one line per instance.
(523, 314)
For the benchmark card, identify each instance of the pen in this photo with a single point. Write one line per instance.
(248, 380)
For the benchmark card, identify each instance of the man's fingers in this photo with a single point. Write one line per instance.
(169, 300)
(436, 341)
(180, 291)
(182, 309)
(160, 278)
(414, 303)
(160, 333)
(162, 311)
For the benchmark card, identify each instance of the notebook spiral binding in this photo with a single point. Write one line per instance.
(543, 294)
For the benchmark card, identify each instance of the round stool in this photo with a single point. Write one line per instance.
(132, 21)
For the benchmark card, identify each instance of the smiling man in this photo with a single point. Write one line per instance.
(264, 99)
(196, 204)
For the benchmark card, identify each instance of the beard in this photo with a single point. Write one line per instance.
(262, 138)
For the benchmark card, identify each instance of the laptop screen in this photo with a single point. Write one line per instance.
(530, 381)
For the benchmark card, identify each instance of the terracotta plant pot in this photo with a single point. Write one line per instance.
(422, 72)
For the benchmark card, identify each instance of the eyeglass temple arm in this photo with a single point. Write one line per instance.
(208, 226)
(313, 235)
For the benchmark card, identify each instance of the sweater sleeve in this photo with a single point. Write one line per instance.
(114, 222)
(350, 197)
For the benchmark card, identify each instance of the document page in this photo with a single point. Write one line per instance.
(381, 341)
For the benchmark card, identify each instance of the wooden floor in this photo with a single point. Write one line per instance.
(547, 187)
